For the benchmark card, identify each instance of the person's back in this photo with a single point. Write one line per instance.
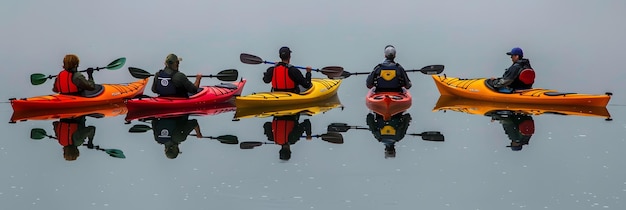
(285, 77)
(170, 82)
(511, 80)
(71, 82)
(388, 76)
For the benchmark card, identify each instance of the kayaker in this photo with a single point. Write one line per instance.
(71, 133)
(171, 82)
(286, 77)
(388, 76)
(510, 80)
(518, 127)
(70, 82)
(284, 131)
(389, 132)
(172, 131)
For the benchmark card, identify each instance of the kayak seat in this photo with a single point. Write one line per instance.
(227, 85)
(556, 93)
(527, 76)
(93, 93)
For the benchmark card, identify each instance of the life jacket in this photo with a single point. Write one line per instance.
(388, 77)
(526, 77)
(64, 131)
(281, 80)
(165, 86)
(281, 128)
(64, 83)
(163, 129)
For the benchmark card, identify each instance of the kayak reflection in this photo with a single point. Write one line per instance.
(516, 119)
(71, 133)
(171, 127)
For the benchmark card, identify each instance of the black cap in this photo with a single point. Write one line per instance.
(284, 51)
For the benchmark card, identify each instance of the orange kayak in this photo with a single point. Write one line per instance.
(388, 104)
(479, 89)
(112, 93)
(99, 111)
(479, 107)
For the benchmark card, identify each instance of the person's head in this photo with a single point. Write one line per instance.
(172, 151)
(70, 152)
(516, 54)
(70, 62)
(390, 52)
(285, 152)
(172, 61)
(284, 53)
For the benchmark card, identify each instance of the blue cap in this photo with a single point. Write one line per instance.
(516, 51)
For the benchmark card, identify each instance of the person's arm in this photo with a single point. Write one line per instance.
(197, 82)
(297, 77)
(83, 83)
(54, 86)
(267, 76)
(369, 82)
(181, 79)
(405, 78)
(154, 82)
(508, 77)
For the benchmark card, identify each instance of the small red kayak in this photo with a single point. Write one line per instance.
(207, 96)
(388, 104)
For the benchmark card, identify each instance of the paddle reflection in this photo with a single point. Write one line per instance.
(516, 119)
(171, 127)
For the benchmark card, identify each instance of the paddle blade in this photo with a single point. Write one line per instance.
(227, 139)
(139, 128)
(37, 133)
(332, 71)
(338, 127)
(116, 153)
(139, 73)
(38, 79)
(228, 75)
(432, 69)
(250, 59)
(250, 144)
(431, 136)
(335, 138)
(116, 64)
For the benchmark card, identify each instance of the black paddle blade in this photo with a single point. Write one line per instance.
(37, 133)
(430, 136)
(228, 75)
(335, 138)
(332, 72)
(250, 59)
(116, 64)
(250, 144)
(139, 73)
(338, 127)
(139, 128)
(432, 69)
(227, 139)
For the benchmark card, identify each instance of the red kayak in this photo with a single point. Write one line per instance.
(388, 104)
(207, 110)
(207, 96)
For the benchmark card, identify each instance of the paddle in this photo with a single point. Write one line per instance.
(426, 136)
(224, 75)
(335, 138)
(432, 69)
(38, 79)
(330, 71)
(38, 134)
(224, 139)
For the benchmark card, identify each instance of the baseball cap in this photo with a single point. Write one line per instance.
(171, 58)
(516, 51)
(284, 51)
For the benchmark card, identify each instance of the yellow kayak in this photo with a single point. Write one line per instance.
(322, 89)
(479, 90)
(479, 107)
(309, 109)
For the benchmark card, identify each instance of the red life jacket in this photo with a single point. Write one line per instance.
(281, 130)
(64, 83)
(64, 132)
(281, 80)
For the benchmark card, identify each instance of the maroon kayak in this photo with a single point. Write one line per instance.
(207, 96)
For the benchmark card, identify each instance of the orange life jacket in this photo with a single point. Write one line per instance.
(281, 80)
(64, 132)
(64, 83)
(281, 129)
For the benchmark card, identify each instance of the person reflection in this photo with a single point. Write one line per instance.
(172, 131)
(284, 131)
(518, 127)
(389, 132)
(71, 133)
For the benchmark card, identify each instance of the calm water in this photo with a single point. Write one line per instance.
(570, 162)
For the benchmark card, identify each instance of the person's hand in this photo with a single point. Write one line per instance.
(199, 76)
(309, 137)
(308, 69)
(90, 71)
(198, 135)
